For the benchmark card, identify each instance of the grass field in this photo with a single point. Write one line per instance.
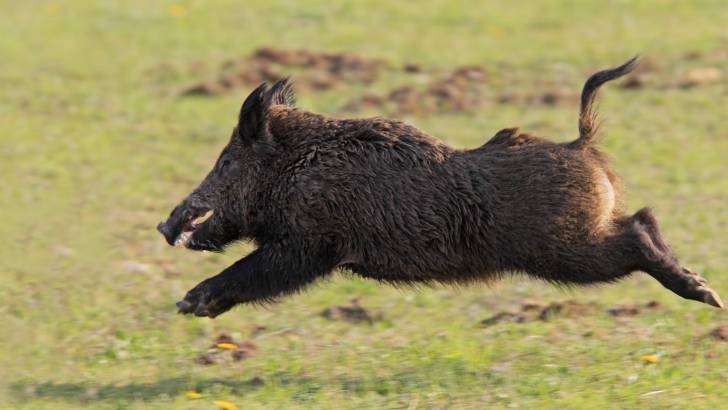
(96, 146)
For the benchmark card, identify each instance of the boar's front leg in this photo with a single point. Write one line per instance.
(265, 274)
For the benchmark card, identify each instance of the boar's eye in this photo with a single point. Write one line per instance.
(224, 166)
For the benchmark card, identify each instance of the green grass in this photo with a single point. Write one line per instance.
(95, 148)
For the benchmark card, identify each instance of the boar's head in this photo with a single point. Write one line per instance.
(219, 211)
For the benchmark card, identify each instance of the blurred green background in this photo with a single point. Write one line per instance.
(96, 146)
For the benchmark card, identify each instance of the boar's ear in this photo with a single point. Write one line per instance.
(252, 121)
(252, 124)
(282, 93)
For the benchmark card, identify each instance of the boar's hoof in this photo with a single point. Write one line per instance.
(210, 298)
(711, 297)
(184, 306)
(203, 312)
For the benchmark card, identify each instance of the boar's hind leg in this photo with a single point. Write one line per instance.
(263, 275)
(636, 245)
(658, 260)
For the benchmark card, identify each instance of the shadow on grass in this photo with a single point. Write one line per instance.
(89, 392)
(438, 373)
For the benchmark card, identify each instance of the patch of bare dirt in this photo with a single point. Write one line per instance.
(556, 96)
(244, 350)
(533, 311)
(567, 308)
(257, 330)
(225, 348)
(506, 317)
(720, 333)
(457, 91)
(412, 68)
(624, 310)
(354, 313)
(319, 70)
(341, 66)
(700, 77)
(645, 74)
(632, 309)
(692, 55)
(206, 359)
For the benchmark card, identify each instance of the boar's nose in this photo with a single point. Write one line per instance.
(173, 225)
(165, 230)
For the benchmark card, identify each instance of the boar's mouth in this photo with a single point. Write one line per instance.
(191, 226)
(182, 223)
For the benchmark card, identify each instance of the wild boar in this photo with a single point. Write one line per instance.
(387, 201)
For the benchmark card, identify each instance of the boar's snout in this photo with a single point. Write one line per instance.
(172, 227)
(183, 222)
(165, 230)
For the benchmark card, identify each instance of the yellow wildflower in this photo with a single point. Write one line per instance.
(650, 358)
(227, 346)
(225, 405)
(177, 10)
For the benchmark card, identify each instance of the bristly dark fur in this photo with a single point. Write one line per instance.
(389, 202)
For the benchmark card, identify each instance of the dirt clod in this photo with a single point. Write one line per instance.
(457, 91)
(624, 310)
(257, 330)
(701, 76)
(353, 313)
(245, 350)
(412, 68)
(692, 55)
(317, 70)
(238, 351)
(720, 333)
(632, 309)
(503, 317)
(223, 338)
(567, 308)
(204, 89)
(653, 304)
(643, 75)
(206, 359)
(256, 381)
(532, 311)
(552, 97)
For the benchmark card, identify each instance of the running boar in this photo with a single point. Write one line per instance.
(387, 201)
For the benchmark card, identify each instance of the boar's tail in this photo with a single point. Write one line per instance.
(588, 119)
